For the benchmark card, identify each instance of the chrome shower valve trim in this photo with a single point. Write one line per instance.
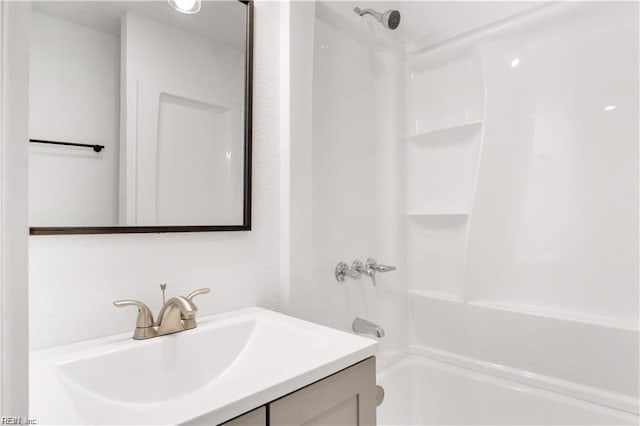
(343, 270)
(358, 268)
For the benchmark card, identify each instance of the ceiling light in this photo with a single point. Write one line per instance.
(185, 6)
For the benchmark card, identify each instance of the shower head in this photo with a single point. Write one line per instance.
(389, 19)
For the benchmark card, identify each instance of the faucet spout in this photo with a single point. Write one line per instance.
(363, 326)
(186, 307)
(177, 314)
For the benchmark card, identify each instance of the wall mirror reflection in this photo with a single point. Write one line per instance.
(140, 116)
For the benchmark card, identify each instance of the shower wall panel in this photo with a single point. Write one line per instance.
(355, 203)
(557, 192)
(544, 230)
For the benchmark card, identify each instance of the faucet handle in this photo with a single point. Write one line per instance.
(373, 267)
(198, 292)
(145, 317)
(372, 264)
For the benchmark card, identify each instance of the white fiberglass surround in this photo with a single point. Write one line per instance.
(509, 197)
(531, 257)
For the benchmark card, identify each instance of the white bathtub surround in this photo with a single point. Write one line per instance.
(230, 364)
(558, 354)
(420, 391)
(522, 247)
(513, 150)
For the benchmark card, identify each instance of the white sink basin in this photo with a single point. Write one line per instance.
(229, 364)
(160, 369)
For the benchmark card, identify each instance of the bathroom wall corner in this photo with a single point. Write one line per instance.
(14, 355)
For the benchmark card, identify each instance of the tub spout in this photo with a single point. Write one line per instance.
(363, 326)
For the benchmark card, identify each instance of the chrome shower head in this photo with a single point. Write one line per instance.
(389, 19)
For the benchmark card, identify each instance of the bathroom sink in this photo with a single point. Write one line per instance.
(160, 369)
(226, 366)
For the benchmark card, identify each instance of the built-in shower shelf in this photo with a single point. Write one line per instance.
(447, 297)
(454, 132)
(437, 214)
(630, 324)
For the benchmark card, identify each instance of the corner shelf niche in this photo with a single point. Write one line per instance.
(442, 95)
(445, 106)
(434, 214)
(435, 253)
(425, 294)
(454, 131)
(441, 169)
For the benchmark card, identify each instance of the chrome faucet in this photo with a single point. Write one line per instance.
(343, 270)
(363, 326)
(177, 314)
(371, 267)
(358, 268)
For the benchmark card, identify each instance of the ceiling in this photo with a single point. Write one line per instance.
(219, 21)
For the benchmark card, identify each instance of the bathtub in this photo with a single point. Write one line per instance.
(421, 391)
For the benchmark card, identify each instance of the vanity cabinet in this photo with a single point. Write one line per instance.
(346, 398)
(257, 417)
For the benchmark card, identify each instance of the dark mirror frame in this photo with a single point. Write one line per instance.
(246, 223)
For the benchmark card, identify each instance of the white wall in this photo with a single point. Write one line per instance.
(73, 97)
(74, 279)
(14, 350)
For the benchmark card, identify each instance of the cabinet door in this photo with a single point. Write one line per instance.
(257, 417)
(347, 398)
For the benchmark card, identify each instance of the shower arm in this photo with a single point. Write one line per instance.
(371, 12)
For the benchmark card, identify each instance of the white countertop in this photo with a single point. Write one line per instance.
(230, 364)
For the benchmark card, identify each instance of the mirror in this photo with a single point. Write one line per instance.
(140, 116)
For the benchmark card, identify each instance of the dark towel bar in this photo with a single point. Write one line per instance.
(96, 148)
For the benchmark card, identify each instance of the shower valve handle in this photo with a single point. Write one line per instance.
(364, 269)
(372, 264)
(372, 267)
(358, 268)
